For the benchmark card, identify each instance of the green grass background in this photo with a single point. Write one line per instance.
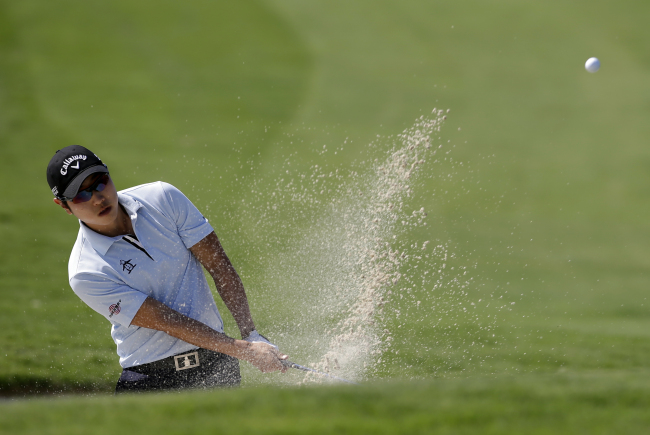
(555, 161)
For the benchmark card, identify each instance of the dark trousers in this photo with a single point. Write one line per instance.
(200, 368)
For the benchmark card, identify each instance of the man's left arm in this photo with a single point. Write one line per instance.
(212, 256)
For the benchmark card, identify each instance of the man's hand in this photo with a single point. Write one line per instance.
(266, 358)
(256, 337)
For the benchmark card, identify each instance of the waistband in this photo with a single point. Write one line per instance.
(179, 362)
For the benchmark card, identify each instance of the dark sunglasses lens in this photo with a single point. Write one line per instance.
(86, 194)
(82, 196)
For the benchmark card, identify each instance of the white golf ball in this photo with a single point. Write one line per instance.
(592, 65)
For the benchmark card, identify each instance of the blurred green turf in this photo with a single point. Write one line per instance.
(549, 204)
(588, 403)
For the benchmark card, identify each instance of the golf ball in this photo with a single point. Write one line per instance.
(592, 65)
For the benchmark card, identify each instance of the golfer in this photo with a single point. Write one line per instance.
(137, 261)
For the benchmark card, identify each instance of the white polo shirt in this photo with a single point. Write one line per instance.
(114, 275)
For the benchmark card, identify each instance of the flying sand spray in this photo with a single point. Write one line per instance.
(338, 264)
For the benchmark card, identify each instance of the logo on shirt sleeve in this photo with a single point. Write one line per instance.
(127, 266)
(115, 308)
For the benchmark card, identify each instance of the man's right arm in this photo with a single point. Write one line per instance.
(156, 315)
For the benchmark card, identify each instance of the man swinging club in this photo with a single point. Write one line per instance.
(137, 261)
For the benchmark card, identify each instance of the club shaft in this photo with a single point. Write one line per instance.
(307, 369)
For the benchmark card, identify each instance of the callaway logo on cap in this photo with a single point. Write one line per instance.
(69, 168)
(68, 162)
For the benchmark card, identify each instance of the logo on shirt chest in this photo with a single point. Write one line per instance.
(127, 266)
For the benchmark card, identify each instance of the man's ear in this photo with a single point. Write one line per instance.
(63, 206)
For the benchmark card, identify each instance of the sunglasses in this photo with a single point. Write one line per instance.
(85, 195)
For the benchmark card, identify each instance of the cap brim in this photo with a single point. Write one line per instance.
(73, 187)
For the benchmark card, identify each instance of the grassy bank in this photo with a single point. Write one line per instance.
(548, 207)
(569, 403)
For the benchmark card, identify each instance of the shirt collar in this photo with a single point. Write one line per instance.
(100, 243)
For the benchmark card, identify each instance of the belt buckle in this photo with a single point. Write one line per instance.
(186, 361)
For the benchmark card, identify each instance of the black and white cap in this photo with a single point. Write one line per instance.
(69, 168)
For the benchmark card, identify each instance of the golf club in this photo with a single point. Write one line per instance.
(307, 369)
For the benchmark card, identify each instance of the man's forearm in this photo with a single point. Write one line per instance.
(212, 256)
(155, 315)
(232, 292)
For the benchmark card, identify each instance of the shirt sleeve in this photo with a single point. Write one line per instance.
(117, 302)
(192, 226)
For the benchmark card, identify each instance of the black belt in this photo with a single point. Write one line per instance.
(179, 362)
